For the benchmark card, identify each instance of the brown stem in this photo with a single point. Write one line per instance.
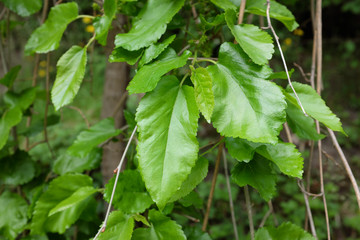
(249, 211)
(47, 87)
(241, 11)
(308, 209)
(81, 114)
(213, 183)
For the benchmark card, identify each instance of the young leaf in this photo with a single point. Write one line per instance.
(241, 150)
(314, 106)
(70, 73)
(224, 4)
(203, 91)
(9, 119)
(300, 124)
(17, 169)
(131, 195)
(277, 11)
(284, 231)
(149, 25)
(9, 78)
(90, 138)
(162, 227)
(197, 174)
(47, 37)
(119, 227)
(257, 44)
(154, 50)
(168, 151)
(122, 55)
(246, 105)
(77, 197)
(66, 163)
(258, 174)
(103, 24)
(148, 76)
(13, 217)
(23, 8)
(59, 189)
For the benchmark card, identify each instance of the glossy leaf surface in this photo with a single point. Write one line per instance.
(70, 73)
(203, 91)
(47, 37)
(119, 227)
(131, 195)
(23, 8)
(277, 11)
(103, 24)
(167, 149)
(148, 76)
(154, 50)
(90, 138)
(258, 174)
(246, 105)
(122, 55)
(257, 43)
(239, 149)
(224, 4)
(149, 25)
(161, 228)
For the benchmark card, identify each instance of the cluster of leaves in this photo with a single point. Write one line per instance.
(235, 93)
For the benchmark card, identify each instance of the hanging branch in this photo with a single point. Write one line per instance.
(249, 211)
(233, 219)
(81, 114)
(308, 209)
(282, 56)
(117, 171)
(47, 87)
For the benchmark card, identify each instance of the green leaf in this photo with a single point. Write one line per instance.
(9, 119)
(149, 25)
(257, 173)
(154, 50)
(314, 105)
(37, 125)
(246, 105)
(122, 55)
(119, 227)
(70, 73)
(277, 11)
(13, 217)
(161, 228)
(218, 20)
(21, 100)
(203, 91)
(103, 24)
(257, 43)
(17, 169)
(239, 149)
(59, 189)
(167, 152)
(284, 231)
(301, 125)
(9, 78)
(280, 75)
(224, 4)
(77, 197)
(284, 155)
(197, 174)
(47, 37)
(90, 138)
(148, 76)
(131, 195)
(66, 163)
(23, 8)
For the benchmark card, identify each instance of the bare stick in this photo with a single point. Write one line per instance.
(213, 183)
(282, 56)
(308, 209)
(302, 72)
(241, 11)
(288, 133)
(119, 104)
(249, 211)
(233, 219)
(81, 114)
(102, 229)
(346, 165)
(266, 216)
(47, 87)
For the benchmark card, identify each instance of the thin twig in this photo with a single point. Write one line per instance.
(241, 11)
(34, 145)
(213, 183)
(81, 114)
(314, 195)
(308, 209)
(249, 211)
(302, 72)
(3, 60)
(273, 213)
(119, 104)
(117, 170)
(282, 56)
(346, 165)
(288, 133)
(308, 178)
(202, 58)
(47, 87)
(232, 211)
(267, 214)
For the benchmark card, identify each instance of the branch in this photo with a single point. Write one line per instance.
(282, 56)
(47, 87)
(248, 208)
(81, 114)
(117, 171)
(308, 209)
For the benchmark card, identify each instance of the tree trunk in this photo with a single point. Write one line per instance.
(116, 79)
